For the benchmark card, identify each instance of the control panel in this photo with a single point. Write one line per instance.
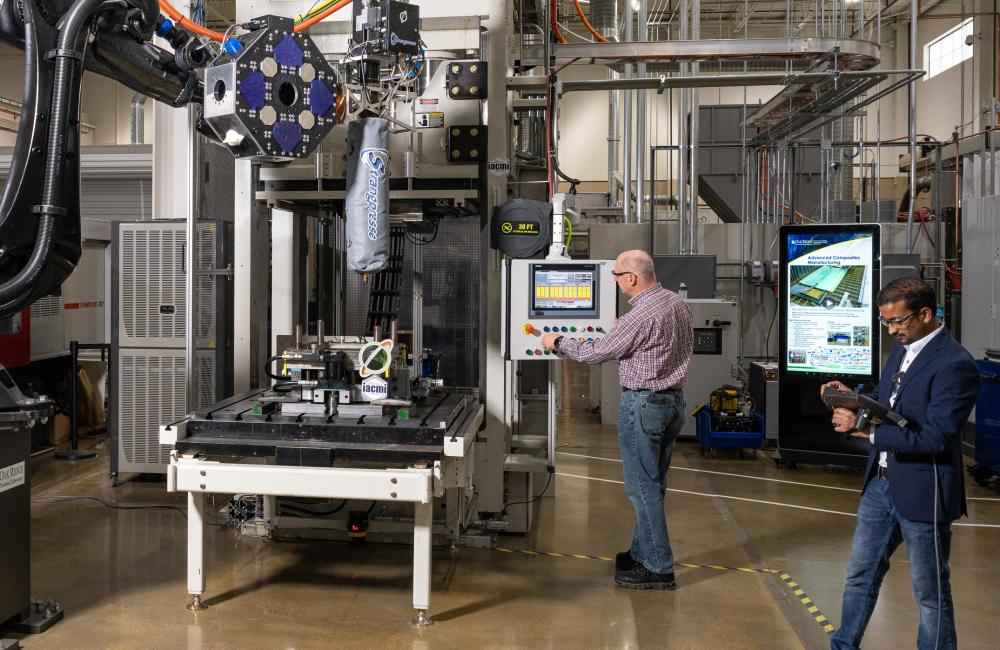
(574, 298)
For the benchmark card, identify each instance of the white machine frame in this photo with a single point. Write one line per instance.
(199, 476)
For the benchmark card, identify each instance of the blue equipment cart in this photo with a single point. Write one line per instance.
(986, 471)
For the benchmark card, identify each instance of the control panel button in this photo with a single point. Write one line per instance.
(572, 329)
(600, 329)
(590, 340)
(529, 352)
(546, 328)
(538, 353)
(590, 328)
(528, 329)
(565, 329)
(546, 352)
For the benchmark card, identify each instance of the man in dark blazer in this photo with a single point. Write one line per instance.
(914, 486)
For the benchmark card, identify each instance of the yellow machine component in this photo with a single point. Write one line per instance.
(725, 399)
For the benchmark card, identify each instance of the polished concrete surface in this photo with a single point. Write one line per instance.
(120, 574)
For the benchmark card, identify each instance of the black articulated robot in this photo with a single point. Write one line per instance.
(272, 96)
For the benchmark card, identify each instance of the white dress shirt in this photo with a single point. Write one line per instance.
(912, 350)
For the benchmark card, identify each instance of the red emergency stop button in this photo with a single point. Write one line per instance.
(529, 329)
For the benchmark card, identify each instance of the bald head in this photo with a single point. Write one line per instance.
(634, 272)
(638, 262)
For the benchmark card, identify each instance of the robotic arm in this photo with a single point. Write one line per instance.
(271, 95)
(40, 208)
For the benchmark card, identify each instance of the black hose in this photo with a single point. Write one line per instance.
(573, 182)
(17, 304)
(267, 369)
(71, 41)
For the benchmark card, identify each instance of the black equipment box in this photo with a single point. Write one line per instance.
(387, 26)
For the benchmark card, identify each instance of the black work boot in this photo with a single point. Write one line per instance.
(639, 577)
(624, 561)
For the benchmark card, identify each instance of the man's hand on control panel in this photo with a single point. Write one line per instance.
(549, 341)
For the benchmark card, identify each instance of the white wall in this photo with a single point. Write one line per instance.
(583, 126)
(945, 101)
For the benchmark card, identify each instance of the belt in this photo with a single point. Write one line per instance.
(663, 391)
(883, 472)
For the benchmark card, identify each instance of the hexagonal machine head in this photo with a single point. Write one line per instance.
(278, 93)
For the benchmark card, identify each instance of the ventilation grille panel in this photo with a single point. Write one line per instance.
(46, 307)
(151, 295)
(151, 393)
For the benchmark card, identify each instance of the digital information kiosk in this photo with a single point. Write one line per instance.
(828, 330)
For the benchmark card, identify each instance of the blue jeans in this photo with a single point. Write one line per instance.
(648, 424)
(879, 532)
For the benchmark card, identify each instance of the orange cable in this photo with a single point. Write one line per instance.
(555, 22)
(306, 24)
(178, 18)
(586, 23)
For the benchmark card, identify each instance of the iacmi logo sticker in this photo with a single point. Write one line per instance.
(374, 388)
(377, 162)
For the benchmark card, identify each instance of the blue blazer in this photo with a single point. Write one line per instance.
(936, 395)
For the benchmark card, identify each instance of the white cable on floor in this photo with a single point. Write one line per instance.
(771, 503)
(749, 476)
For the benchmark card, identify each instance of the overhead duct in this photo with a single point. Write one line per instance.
(604, 17)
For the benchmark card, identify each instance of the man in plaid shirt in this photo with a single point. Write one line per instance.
(653, 343)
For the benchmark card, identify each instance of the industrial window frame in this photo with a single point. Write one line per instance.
(948, 50)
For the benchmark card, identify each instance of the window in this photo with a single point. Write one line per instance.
(948, 50)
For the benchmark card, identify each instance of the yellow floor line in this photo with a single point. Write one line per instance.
(793, 586)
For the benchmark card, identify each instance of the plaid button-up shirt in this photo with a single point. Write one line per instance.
(653, 342)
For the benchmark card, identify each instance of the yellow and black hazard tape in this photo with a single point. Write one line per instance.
(793, 586)
(578, 556)
(810, 606)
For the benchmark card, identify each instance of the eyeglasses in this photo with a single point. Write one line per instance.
(618, 275)
(896, 322)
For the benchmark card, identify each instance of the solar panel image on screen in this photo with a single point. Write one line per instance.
(827, 285)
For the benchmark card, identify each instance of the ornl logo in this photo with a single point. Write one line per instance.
(377, 162)
(396, 40)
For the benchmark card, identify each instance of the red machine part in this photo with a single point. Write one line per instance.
(15, 344)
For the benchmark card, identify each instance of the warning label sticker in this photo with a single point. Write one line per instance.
(11, 476)
(430, 120)
(426, 106)
(519, 228)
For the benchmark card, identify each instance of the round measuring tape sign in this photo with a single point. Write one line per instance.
(375, 358)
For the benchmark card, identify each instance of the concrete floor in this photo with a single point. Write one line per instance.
(120, 574)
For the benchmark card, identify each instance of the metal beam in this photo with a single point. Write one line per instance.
(537, 84)
(853, 54)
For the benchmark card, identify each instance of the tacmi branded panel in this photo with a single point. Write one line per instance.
(575, 298)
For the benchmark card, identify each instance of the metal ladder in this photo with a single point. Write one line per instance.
(383, 299)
